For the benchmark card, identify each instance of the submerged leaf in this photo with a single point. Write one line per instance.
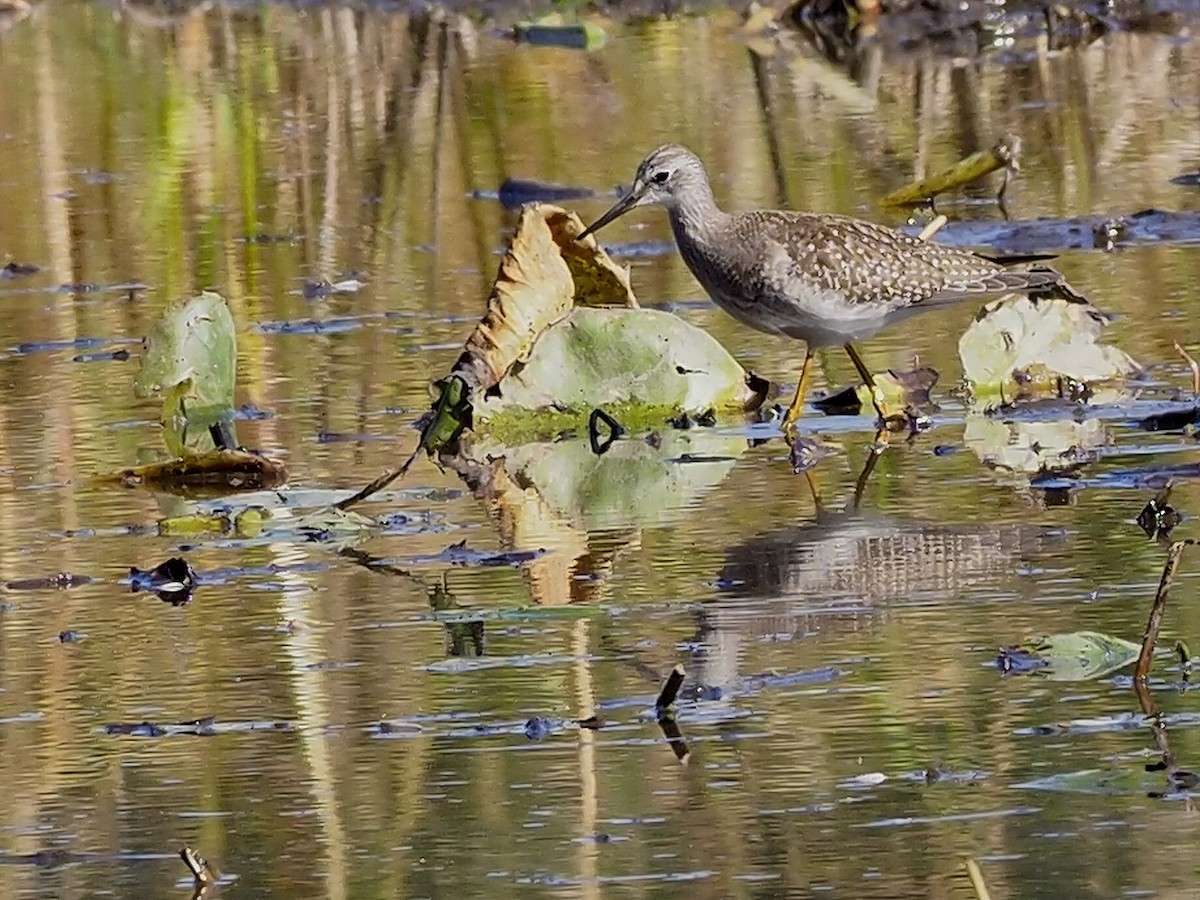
(1078, 656)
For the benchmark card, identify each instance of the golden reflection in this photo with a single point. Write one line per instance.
(251, 150)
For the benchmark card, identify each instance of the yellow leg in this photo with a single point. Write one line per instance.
(814, 489)
(865, 374)
(797, 405)
(868, 467)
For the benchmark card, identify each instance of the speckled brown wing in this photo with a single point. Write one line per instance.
(871, 263)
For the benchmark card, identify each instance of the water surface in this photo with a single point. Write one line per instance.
(848, 734)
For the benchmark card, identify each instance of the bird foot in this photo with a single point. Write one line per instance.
(907, 421)
(898, 422)
(804, 453)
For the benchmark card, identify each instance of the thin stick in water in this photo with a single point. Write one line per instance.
(201, 871)
(671, 689)
(1154, 623)
(378, 484)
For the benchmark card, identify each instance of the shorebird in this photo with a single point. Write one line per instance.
(824, 279)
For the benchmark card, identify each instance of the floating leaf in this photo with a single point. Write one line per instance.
(247, 523)
(218, 471)
(190, 358)
(1078, 656)
(1020, 347)
(623, 358)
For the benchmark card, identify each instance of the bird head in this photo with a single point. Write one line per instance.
(663, 178)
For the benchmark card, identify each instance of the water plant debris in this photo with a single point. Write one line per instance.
(1141, 671)
(1003, 155)
(202, 871)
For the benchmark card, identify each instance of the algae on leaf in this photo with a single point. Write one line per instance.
(639, 358)
(551, 340)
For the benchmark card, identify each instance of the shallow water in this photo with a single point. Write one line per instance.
(847, 731)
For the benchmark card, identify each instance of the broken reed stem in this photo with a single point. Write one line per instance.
(935, 225)
(670, 690)
(1193, 365)
(1004, 155)
(977, 882)
(379, 483)
(201, 871)
(1154, 623)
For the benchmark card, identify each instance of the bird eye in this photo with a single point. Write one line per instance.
(661, 176)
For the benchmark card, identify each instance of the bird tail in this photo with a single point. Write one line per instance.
(1046, 281)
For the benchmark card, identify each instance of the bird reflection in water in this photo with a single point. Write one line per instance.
(836, 570)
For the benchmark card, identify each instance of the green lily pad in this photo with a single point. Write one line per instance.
(190, 359)
(619, 359)
(1077, 656)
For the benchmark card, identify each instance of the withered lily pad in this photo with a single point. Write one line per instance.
(1026, 347)
(217, 472)
(552, 342)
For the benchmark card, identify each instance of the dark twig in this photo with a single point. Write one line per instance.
(378, 484)
(670, 689)
(666, 714)
(201, 871)
(1154, 623)
(674, 736)
(451, 414)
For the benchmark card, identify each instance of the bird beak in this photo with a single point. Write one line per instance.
(622, 206)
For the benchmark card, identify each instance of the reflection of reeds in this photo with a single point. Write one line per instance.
(325, 126)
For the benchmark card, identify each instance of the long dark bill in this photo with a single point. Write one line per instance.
(622, 206)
